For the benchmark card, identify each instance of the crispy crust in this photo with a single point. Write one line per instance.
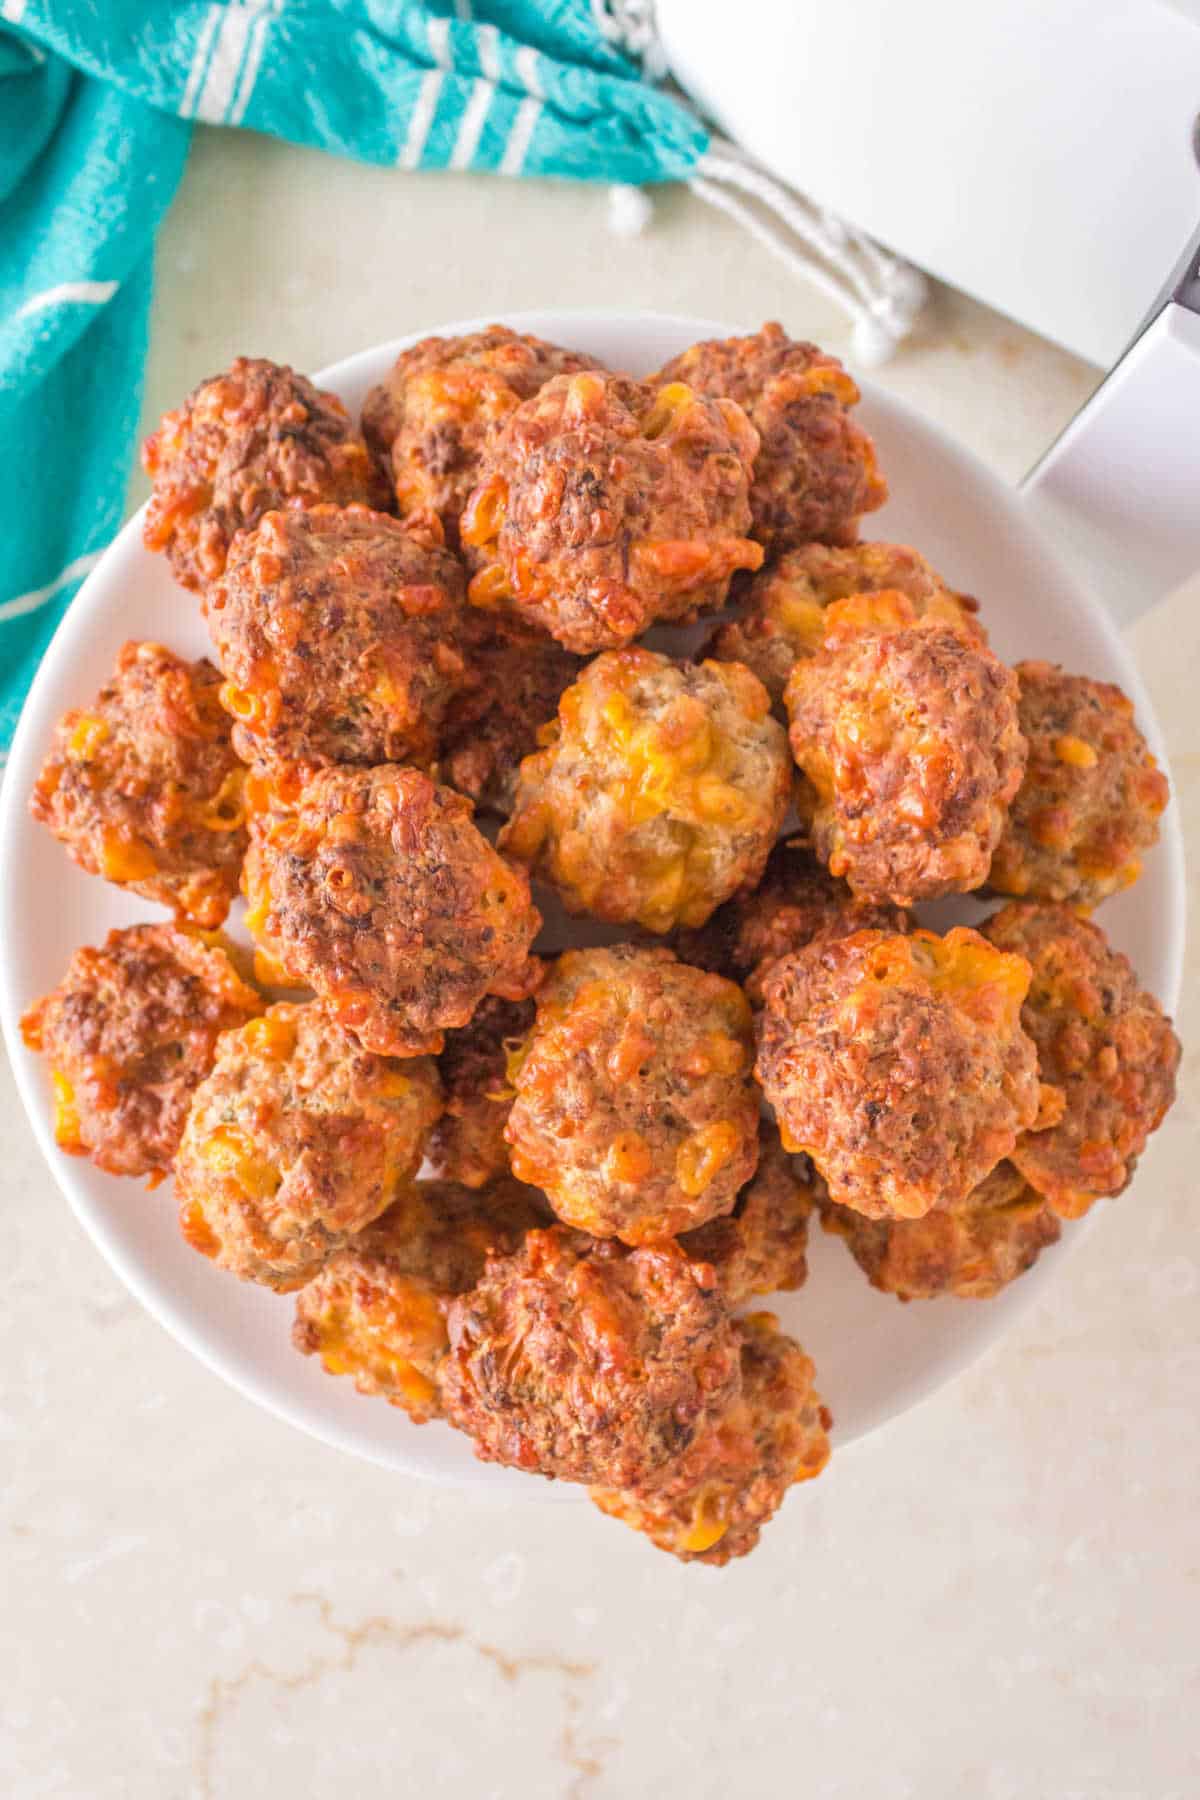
(797, 903)
(519, 677)
(713, 1501)
(254, 438)
(374, 887)
(784, 605)
(297, 1139)
(339, 632)
(468, 1141)
(1103, 1040)
(635, 1112)
(659, 793)
(430, 417)
(761, 1247)
(907, 733)
(587, 1361)
(130, 1032)
(377, 1310)
(972, 1250)
(815, 473)
(1092, 794)
(899, 1065)
(143, 786)
(604, 504)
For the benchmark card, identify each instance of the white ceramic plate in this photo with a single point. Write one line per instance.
(874, 1357)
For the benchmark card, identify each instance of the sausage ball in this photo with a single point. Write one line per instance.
(761, 1246)
(907, 733)
(297, 1139)
(143, 786)
(1103, 1040)
(518, 678)
(659, 793)
(899, 1065)
(339, 631)
(429, 419)
(797, 903)
(635, 1112)
(604, 504)
(588, 1361)
(468, 1140)
(130, 1032)
(374, 887)
(815, 473)
(784, 605)
(712, 1502)
(242, 444)
(377, 1310)
(973, 1250)
(1092, 794)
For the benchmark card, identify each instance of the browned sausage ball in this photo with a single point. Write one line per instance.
(430, 417)
(468, 1140)
(605, 504)
(374, 887)
(712, 1503)
(297, 1139)
(783, 611)
(815, 473)
(1103, 1040)
(761, 1247)
(635, 1111)
(972, 1250)
(143, 786)
(588, 1361)
(377, 1310)
(130, 1032)
(899, 1065)
(1092, 794)
(797, 903)
(339, 632)
(243, 443)
(518, 678)
(907, 733)
(660, 791)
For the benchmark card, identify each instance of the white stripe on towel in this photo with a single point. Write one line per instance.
(437, 36)
(77, 293)
(187, 105)
(422, 119)
(27, 603)
(515, 150)
(488, 43)
(471, 128)
(11, 11)
(258, 38)
(217, 94)
(525, 62)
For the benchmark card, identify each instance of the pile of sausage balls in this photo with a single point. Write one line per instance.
(533, 1195)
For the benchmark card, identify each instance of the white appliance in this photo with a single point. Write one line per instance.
(1042, 155)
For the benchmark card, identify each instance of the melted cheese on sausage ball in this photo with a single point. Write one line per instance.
(906, 731)
(635, 1112)
(605, 504)
(374, 887)
(250, 440)
(297, 1139)
(1103, 1040)
(899, 1065)
(143, 787)
(659, 793)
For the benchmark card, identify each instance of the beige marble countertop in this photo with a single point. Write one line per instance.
(997, 1596)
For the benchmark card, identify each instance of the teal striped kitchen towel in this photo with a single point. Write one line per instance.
(96, 104)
